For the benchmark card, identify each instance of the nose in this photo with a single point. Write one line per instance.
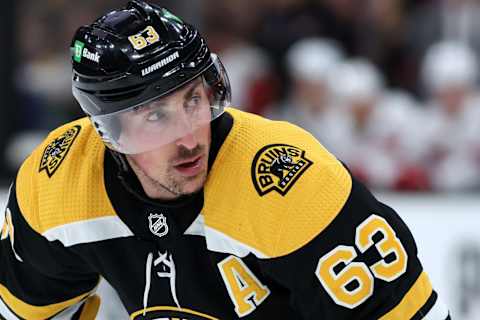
(185, 128)
(188, 140)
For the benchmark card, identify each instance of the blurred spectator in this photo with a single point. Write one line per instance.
(375, 128)
(398, 138)
(309, 62)
(250, 73)
(451, 127)
(443, 20)
(284, 22)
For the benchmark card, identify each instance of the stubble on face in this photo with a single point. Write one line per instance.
(180, 167)
(181, 184)
(160, 180)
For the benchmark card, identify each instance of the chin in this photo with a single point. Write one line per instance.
(194, 185)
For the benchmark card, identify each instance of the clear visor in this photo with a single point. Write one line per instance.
(163, 120)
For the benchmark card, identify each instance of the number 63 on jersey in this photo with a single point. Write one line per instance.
(355, 282)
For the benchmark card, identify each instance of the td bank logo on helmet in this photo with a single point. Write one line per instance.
(82, 52)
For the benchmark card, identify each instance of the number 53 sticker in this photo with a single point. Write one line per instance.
(354, 283)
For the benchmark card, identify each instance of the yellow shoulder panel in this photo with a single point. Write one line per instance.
(273, 186)
(62, 180)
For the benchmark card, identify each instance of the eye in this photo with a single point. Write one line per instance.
(194, 101)
(155, 116)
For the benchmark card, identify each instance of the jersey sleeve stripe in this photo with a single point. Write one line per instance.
(434, 309)
(89, 309)
(426, 307)
(68, 313)
(93, 230)
(413, 301)
(32, 312)
(5, 312)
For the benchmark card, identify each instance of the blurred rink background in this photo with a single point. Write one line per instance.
(391, 87)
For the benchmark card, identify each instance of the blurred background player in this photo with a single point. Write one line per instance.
(376, 130)
(307, 103)
(451, 124)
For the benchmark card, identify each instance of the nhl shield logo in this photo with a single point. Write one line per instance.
(277, 167)
(158, 224)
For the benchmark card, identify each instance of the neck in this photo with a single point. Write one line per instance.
(152, 188)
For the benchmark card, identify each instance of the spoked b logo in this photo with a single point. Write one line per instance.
(277, 167)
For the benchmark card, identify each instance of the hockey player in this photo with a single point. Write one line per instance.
(182, 213)
(448, 139)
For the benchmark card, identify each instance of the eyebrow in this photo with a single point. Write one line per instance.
(160, 102)
(194, 85)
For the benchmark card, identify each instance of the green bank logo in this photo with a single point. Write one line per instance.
(78, 51)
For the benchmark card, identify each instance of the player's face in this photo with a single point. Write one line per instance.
(179, 167)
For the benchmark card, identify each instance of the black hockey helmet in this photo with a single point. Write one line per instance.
(129, 58)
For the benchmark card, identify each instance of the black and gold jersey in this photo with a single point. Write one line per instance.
(281, 230)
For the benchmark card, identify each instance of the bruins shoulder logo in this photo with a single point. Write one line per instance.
(57, 150)
(277, 167)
